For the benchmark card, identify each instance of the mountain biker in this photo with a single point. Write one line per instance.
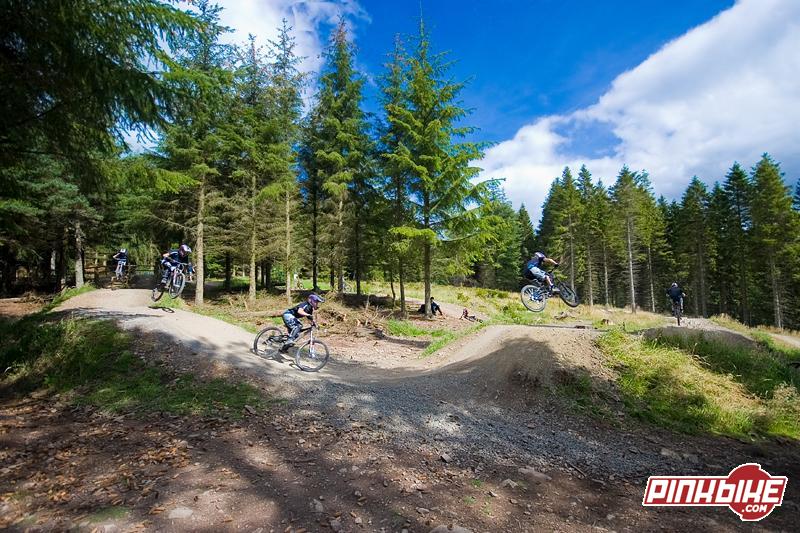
(292, 316)
(533, 269)
(122, 259)
(676, 295)
(171, 259)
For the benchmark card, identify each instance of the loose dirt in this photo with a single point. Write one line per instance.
(471, 436)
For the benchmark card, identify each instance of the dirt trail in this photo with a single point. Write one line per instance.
(464, 436)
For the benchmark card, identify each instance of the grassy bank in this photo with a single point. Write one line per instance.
(91, 362)
(699, 385)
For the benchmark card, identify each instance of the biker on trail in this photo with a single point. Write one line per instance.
(676, 295)
(171, 259)
(534, 270)
(291, 317)
(121, 258)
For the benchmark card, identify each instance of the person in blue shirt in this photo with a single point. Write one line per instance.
(676, 294)
(171, 259)
(291, 317)
(534, 270)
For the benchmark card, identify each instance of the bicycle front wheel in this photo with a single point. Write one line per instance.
(158, 292)
(567, 294)
(312, 356)
(178, 284)
(533, 298)
(268, 342)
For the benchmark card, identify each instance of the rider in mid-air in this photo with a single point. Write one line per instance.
(121, 258)
(173, 258)
(533, 269)
(292, 316)
(676, 295)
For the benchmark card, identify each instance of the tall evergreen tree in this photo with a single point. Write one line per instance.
(627, 200)
(336, 151)
(192, 142)
(739, 192)
(588, 229)
(694, 231)
(527, 238)
(772, 224)
(440, 170)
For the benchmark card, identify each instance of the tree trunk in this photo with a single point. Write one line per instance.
(61, 263)
(314, 245)
(228, 271)
(401, 281)
(427, 256)
(251, 291)
(605, 274)
(571, 256)
(358, 257)
(391, 286)
(199, 247)
(288, 257)
(776, 295)
(268, 274)
(630, 264)
(589, 290)
(338, 253)
(650, 276)
(78, 255)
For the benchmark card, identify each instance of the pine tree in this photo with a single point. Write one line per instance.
(693, 228)
(605, 231)
(568, 218)
(439, 168)
(336, 150)
(527, 238)
(772, 223)
(588, 229)
(652, 234)
(627, 200)
(192, 142)
(739, 192)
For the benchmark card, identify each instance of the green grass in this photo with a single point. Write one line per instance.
(704, 386)
(165, 302)
(406, 328)
(91, 362)
(66, 295)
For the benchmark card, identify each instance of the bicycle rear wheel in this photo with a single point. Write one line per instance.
(268, 342)
(533, 298)
(567, 294)
(312, 356)
(178, 284)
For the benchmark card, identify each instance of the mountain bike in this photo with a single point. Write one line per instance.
(310, 356)
(677, 311)
(534, 296)
(121, 272)
(176, 282)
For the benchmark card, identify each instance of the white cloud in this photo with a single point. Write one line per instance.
(308, 19)
(725, 91)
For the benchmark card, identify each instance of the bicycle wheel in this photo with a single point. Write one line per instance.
(178, 284)
(312, 356)
(268, 342)
(158, 292)
(533, 298)
(567, 294)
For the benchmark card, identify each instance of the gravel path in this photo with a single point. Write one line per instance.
(484, 398)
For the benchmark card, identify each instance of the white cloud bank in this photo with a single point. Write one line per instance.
(725, 91)
(306, 17)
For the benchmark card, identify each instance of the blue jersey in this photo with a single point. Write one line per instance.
(175, 257)
(537, 260)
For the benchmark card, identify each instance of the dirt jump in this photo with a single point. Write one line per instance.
(469, 437)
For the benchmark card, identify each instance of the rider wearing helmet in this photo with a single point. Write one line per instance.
(122, 259)
(534, 270)
(676, 295)
(172, 258)
(292, 316)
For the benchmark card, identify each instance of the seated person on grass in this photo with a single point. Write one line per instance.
(434, 308)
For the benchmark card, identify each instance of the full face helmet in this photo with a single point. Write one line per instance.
(184, 250)
(315, 299)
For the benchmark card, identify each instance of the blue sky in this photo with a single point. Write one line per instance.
(531, 58)
(677, 88)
